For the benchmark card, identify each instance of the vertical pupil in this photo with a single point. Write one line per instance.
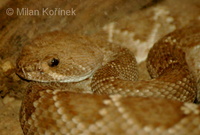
(54, 62)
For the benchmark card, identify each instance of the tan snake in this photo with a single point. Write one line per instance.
(119, 104)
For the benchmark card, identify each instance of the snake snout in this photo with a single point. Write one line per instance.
(24, 70)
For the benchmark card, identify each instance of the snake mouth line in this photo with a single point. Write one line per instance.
(52, 76)
(75, 78)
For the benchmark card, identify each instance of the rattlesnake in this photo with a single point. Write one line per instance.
(117, 102)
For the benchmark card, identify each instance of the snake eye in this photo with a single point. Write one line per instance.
(54, 62)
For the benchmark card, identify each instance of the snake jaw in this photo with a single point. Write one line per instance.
(41, 72)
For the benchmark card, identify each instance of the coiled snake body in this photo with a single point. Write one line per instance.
(119, 104)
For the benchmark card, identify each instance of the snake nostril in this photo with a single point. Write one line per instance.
(41, 72)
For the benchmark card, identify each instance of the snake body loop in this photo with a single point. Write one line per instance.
(120, 104)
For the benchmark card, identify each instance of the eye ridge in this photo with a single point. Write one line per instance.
(54, 62)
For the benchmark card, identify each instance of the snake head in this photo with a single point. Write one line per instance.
(59, 57)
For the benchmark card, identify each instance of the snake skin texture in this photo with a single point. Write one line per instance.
(116, 103)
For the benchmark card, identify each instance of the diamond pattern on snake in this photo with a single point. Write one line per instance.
(85, 85)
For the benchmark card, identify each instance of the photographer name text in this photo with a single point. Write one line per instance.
(43, 11)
